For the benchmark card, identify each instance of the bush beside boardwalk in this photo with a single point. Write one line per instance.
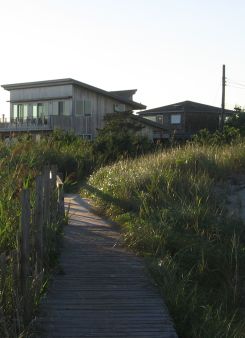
(31, 220)
(20, 162)
(172, 208)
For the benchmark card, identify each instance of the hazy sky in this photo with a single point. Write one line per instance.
(170, 50)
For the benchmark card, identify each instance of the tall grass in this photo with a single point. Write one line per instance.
(173, 211)
(20, 163)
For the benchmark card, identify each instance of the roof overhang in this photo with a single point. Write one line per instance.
(185, 106)
(42, 99)
(69, 81)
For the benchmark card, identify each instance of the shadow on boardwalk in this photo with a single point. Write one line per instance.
(102, 289)
(124, 204)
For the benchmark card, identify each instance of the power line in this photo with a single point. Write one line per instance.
(234, 86)
(239, 83)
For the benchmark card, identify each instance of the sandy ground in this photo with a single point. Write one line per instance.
(235, 199)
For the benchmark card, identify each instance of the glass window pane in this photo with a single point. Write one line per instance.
(159, 119)
(45, 109)
(151, 118)
(67, 108)
(87, 108)
(79, 108)
(30, 110)
(35, 111)
(60, 108)
(15, 111)
(20, 111)
(25, 111)
(39, 110)
(119, 107)
(175, 119)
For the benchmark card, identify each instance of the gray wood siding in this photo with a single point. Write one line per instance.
(40, 93)
(146, 131)
(79, 125)
(101, 105)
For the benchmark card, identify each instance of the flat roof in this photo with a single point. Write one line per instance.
(70, 81)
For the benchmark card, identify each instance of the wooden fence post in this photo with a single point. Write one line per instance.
(46, 214)
(25, 251)
(39, 222)
(60, 200)
(53, 204)
(3, 276)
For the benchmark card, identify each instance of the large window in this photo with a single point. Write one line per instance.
(30, 111)
(87, 108)
(159, 119)
(39, 110)
(79, 107)
(175, 119)
(20, 111)
(61, 108)
(151, 118)
(83, 107)
(15, 111)
(34, 111)
(119, 108)
(25, 111)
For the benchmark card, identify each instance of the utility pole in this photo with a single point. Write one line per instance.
(222, 118)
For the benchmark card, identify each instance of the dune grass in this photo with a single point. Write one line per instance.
(172, 206)
(20, 162)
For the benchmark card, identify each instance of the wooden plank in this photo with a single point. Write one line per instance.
(25, 251)
(53, 194)
(60, 200)
(46, 204)
(39, 222)
(102, 289)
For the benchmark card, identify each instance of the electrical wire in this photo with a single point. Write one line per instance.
(237, 83)
(237, 87)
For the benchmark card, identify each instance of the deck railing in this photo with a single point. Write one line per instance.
(77, 124)
(26, 125)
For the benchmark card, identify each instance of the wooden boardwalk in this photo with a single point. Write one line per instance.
(102, 289)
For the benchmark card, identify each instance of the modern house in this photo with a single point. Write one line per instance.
(67, 104)
(184, 119)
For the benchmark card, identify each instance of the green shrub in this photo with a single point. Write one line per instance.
(237, 121)
(227, 136)
(119, 139)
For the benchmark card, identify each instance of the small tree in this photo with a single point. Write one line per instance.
(227, 136)
(237, 121)
(119, 138)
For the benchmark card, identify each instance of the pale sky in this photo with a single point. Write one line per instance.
(170, 50)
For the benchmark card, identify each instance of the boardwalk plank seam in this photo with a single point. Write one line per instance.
(104, 290)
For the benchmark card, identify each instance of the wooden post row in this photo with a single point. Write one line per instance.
(60, 201)
(25, 251)
(39, 213)
(46, 203)
(53, 201)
